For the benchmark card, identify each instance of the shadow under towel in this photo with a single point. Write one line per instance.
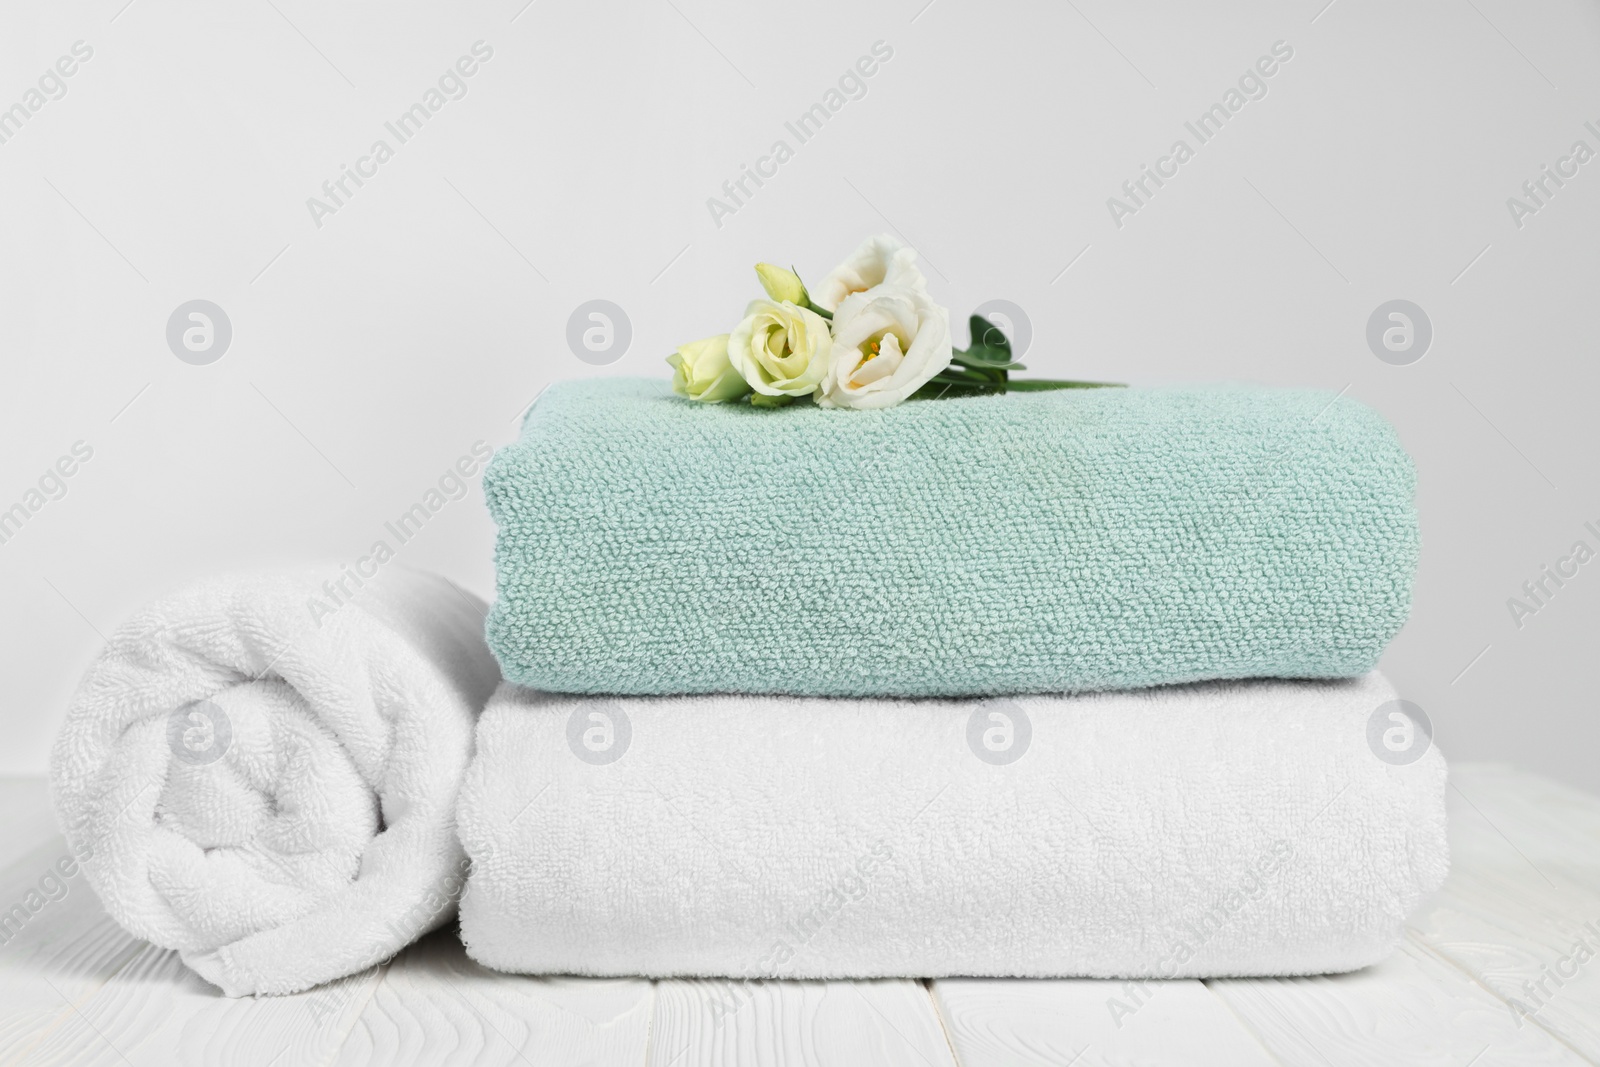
(266, 781)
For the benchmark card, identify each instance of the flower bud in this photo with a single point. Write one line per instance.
(701, 371)
(782, 285)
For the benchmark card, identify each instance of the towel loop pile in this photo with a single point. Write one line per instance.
(1056, 684)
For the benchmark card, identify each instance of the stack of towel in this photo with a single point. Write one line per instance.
(1048, 684)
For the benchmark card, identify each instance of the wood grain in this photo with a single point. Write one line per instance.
(1521, 911)
(434, 1005)
(1411, 1009)
(888, 1023)
(1085, 1022)
(77, 989)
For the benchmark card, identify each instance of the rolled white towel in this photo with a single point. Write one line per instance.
(1248, 828)
(264, 776)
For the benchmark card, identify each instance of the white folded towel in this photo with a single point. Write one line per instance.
(263, 773)
(1243, 828)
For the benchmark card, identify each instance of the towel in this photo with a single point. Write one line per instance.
(1243, 828)
(262, 770)
(1032, 542)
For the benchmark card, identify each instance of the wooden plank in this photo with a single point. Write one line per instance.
(1002, 1023)
(1532, 944)
(817, 1024)
(75, 988)
(1412, 1009)
(56, 960)
(1520, 913)
(156, 1011)
(93, 995)
(434, 1005)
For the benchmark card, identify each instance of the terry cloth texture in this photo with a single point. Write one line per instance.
(1225, 828)
(269, 789)
(1034, 542)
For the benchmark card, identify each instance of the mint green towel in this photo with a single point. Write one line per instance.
(1034, 542)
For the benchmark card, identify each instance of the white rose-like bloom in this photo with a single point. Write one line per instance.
(780, 349)
(887, 342)
(880, 260)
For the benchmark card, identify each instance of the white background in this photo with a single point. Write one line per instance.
(368, 354)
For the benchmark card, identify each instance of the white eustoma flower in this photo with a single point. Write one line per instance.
(887, 342)
(780, 349)
(880, 260)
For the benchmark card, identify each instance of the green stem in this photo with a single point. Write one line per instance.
(1044, 385)
(946, 387)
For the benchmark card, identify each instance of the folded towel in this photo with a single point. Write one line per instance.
(1240, 828)
(1034, 542)
(264, 777)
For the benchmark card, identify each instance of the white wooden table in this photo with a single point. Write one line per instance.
(1523, 891)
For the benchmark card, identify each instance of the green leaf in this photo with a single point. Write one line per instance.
(963, 361)
(973, 375)
(984, 369)
(984, 364)
(986, 334)
(989, 342)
